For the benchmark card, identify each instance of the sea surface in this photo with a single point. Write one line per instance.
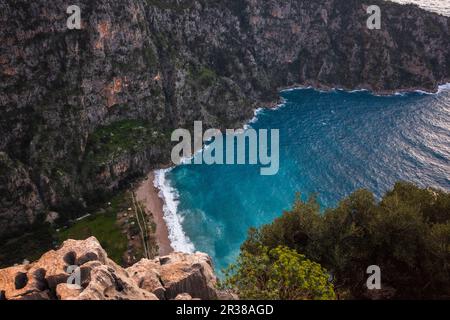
(439, 6)
(331, 143)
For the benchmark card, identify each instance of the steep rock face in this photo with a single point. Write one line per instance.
(187, 275)
(149, 66)
(57, 87)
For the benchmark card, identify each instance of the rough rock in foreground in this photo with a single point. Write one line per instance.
(176, 276)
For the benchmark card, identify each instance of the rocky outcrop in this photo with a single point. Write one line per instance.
(177, 273)
(176, 276)
(163, 64)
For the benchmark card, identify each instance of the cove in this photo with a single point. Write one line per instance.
(331, 144)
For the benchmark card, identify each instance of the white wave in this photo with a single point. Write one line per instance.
(297, 88)
(322, 90)
(258, 111)
(444, 87)
(282, 104)
(358, 90)
(441, 88)
(254, 119)
(178, 239)
(255, 115)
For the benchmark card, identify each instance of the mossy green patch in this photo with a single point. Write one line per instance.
(203, 77)
(206, 76)
(122, 137)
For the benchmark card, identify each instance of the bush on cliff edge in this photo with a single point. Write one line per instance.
(407, 234)
(278, 274)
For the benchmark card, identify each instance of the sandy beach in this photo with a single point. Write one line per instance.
(147, 194)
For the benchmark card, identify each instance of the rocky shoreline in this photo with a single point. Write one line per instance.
(319, 86)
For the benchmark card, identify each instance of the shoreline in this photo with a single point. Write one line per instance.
(148, 195)
(377, 92)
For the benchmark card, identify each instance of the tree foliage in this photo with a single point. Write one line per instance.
(407, 234)
(279, 273)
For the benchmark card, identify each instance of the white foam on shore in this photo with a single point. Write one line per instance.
(254, 119)
(444, 87)
(178, 239)
(441, 88)
(258, 111)
(255, 115)
(296, 88)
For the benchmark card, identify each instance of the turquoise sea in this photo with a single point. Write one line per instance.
(331, 143)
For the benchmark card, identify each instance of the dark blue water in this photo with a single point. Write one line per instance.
(330, 144)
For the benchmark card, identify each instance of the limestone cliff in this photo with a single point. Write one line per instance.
(176, 276)
(86, 111)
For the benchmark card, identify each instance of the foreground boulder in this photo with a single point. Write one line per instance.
(170, 277)
(177, 273)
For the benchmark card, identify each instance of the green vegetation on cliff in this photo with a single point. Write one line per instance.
(245, 49)
(201, 77)
(406, 234)
(122, 138)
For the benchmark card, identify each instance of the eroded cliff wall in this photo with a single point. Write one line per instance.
(84, 111)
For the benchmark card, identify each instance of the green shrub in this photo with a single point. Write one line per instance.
(206, 77)
(278, 273)
(407, 234)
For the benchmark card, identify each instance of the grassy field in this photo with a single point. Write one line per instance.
(103, 225)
